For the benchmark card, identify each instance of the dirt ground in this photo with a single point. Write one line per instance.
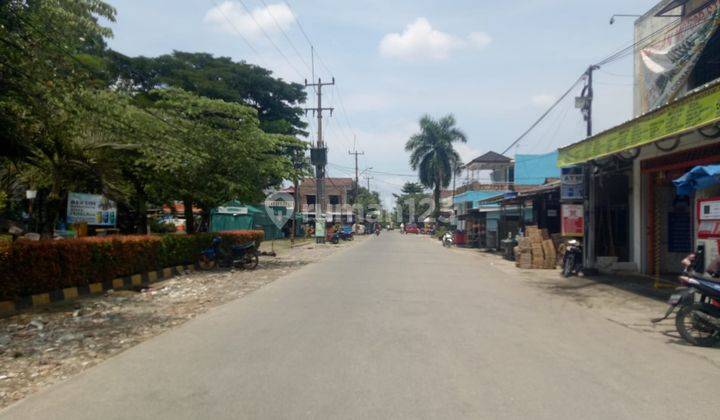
(45, 345)
(630, 301)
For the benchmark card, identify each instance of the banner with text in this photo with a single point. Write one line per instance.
(665, 65)
(687, 114)
(95, 210)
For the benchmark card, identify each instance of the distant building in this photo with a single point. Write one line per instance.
(337, 194)
(493, 175)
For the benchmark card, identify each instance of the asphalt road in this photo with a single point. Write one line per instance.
(395, 327)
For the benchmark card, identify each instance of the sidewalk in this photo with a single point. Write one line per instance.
(627, 300)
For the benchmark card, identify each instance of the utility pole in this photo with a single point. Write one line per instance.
(357, 178)
(368, 180)
(297, 166)
(584, 102)
(318, 157)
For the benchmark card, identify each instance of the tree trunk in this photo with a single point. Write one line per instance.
(205, 223)
(141, 219)
(436, 197)
(189, 217)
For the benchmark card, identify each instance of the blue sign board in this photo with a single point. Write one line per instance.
(572, 183)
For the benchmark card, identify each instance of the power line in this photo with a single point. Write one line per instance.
(669, 27)
(237, 31)
(647, 40)
(322, 63)
(542, 117)
(292, 45)
(242, 3)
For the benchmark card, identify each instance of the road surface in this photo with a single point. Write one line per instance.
(394, 327)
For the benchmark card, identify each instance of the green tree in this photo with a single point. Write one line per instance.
(433, 155)
(413, 188)
(413, 204)
(46, 68)
(225, 155)
(277, 102)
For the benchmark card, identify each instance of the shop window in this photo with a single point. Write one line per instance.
(310, 200)
(334, 200)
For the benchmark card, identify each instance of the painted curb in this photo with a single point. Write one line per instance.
(10, 307)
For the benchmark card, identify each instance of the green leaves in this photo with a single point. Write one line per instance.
(77, 116)
(433, 155)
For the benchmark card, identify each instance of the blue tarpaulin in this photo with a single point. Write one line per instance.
(698, 178)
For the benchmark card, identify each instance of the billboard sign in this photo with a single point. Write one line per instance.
(95, 210)
(664, 65)
(573, 220)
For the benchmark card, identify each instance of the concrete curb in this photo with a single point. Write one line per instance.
(10, 307)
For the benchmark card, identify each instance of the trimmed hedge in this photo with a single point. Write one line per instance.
(31, 267)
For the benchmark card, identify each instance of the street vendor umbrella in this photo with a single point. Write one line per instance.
(698, 178)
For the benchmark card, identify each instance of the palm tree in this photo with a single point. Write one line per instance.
(432, 153)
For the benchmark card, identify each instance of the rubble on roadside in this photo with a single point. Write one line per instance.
(46, 345)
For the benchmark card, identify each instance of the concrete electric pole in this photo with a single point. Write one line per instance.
(357, 177)
(318, 157)
(584, 102)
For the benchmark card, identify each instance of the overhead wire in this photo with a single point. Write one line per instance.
(545, 114)
(617, 55)
(285, 35)
(282, 54)
(323, 64)
(237, 31)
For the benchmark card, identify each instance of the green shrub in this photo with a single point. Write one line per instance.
(28, 267)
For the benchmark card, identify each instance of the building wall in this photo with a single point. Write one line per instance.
(535, 169)
(641, 191)
(339, 187)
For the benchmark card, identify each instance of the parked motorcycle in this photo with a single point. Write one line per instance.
(346, 233)
(573, 258)
(448, 239)
(240, 255)
(698, 318)
(333, 238)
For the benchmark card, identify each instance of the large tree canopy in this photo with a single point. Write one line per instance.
(277, 102)
(75, 116)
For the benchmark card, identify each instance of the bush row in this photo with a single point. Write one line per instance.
(31, 267)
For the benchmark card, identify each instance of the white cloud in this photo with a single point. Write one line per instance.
(480, 39)
(231, 17)
(420, 40)
(543, 100)
(467, 152)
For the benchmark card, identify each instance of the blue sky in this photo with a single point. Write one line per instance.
(495, 65)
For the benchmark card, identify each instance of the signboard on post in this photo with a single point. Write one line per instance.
(320, 227)
(573, 220)
(572, 183)
(95, 210)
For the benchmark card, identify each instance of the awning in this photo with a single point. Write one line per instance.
(693, 111)
(698, 178)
